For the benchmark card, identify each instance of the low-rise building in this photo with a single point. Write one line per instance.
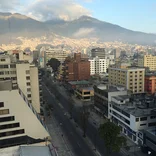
(85, 94)
(133, 116)
(103, 95)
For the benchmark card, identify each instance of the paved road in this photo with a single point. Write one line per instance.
(91, 130)
(78, 143)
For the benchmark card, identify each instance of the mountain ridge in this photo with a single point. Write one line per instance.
(18, 25)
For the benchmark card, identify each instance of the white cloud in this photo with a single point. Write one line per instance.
(9, 5)
(62, 9)
(82, 32)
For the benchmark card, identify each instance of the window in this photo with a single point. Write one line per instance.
(28, 77)
(29, 95)
(28, 83)
(12, 72)
(12, 133)
(3, 60)
(4, 111)
(142, 124)
(152, 124)
(12, 66)
(30, 101)
(29, 89)
(7, 72)
(1, 104)
(27, 72)
(5, 66)
(143, 118)
(1, 73)
(10, 118)
(9, 126)
(152, 117)
(136, 119)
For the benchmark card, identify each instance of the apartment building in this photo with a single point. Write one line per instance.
(132, 78)
(76, 69)
(150, 83)
(98, 66)
(23, 75)
(102, 97)
(147, 61)
(133, 116)
(20, 123)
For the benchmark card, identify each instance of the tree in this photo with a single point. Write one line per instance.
(84, 115)
(111, 135)
(54, 64)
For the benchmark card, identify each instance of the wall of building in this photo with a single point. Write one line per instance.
(23, 114)
(34, 80)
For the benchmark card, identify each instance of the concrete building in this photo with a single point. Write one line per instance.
(76, 69)
(23, 75)
(133, 115)
(98, 52)
(85, 93)
(147, 61)
(132, 78)
(103, 95)
(98, 65)
(150, 83)
(58, 53)
(19, 121)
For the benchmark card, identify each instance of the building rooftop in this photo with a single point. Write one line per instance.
(138, 107)
(110, 88)
(86, 88)
(79, 82)
(152, 131)
(26, 150)
(150, 74)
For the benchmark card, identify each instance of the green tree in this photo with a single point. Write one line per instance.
(54, 64)
(84, 115)
(111, 136)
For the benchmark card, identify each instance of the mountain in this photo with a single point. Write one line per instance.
(15, 25)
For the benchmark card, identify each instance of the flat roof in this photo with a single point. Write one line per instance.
(79, 82)
(137, 109)
(152, 131)
(34, 151)
(110, 88)
(86, 88)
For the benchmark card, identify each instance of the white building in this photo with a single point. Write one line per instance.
(98, 65)
(23, 75)
(133, 117)
(19, 121)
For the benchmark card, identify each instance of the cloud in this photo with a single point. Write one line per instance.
(61, 9)
(8, 5)
(82, 32)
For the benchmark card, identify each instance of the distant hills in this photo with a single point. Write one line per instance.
(17, 25)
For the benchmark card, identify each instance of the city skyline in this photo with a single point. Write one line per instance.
(135, 15)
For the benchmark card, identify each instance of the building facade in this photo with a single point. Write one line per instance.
(148, 61)
(150, 83)
(132, 78)
(76, 68)
(19, 121)
(103, 95)
(133, 116)
(22, 75)
(98, 52)
(98, 65)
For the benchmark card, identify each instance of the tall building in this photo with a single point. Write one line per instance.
(147, 61)
(150, 83)
(76, 68)
(100, 52)
(98, 65)
(23, 75)
(20, 123)
(132, 78)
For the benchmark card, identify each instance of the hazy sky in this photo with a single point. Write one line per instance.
(132, 14)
